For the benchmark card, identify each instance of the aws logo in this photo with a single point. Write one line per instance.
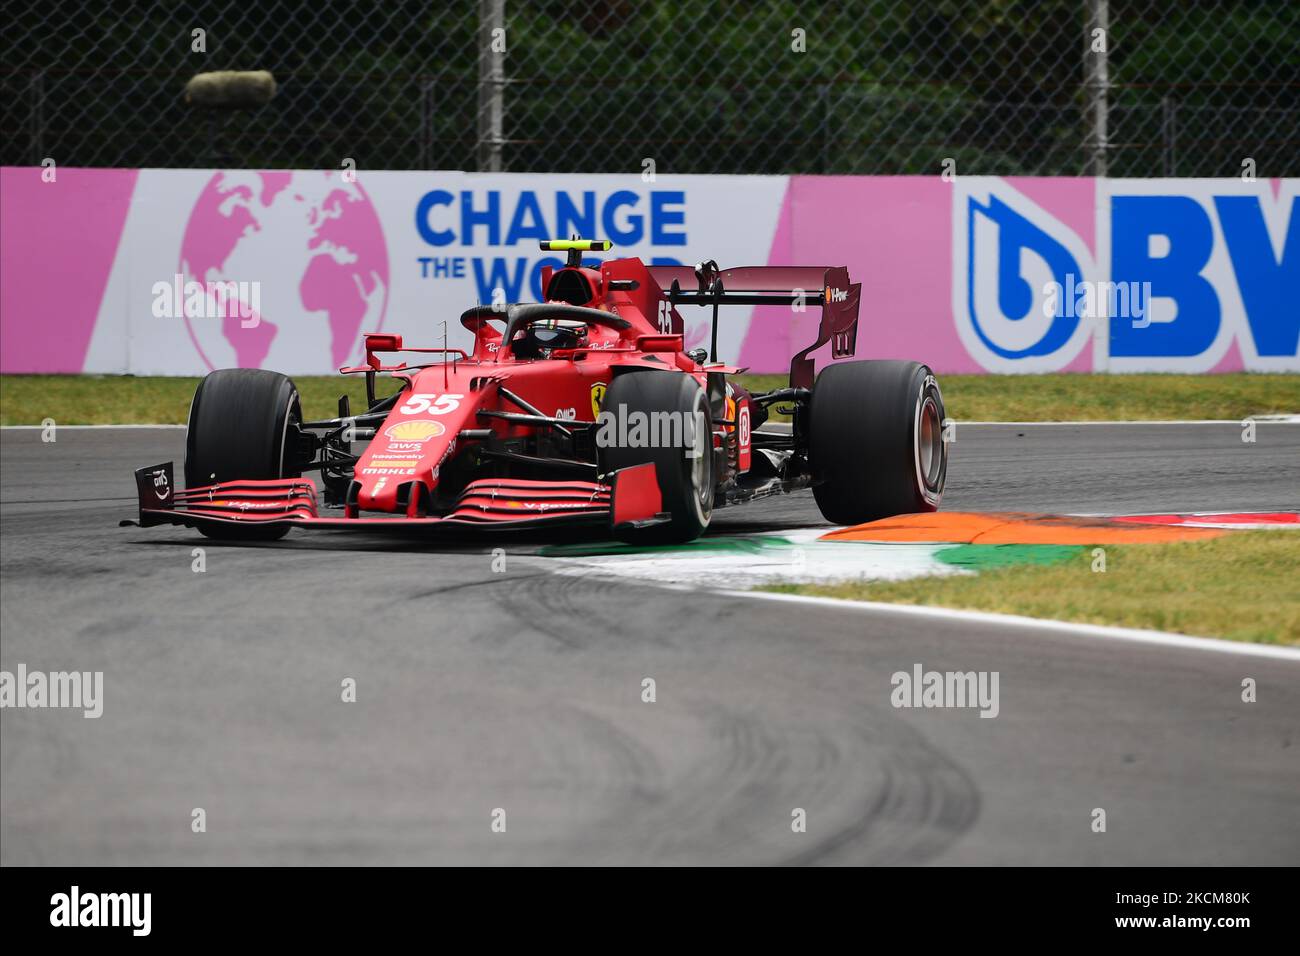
(1181, 270)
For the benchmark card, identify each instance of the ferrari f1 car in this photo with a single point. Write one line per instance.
(583, 409)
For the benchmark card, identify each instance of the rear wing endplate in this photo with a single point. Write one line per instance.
(797, 286)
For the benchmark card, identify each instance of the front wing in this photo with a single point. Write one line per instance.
(629, 497)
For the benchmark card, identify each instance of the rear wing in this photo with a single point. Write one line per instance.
(797, 286)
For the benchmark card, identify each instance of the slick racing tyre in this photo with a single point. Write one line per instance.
(241, 426)
(876, 440)
(685, 473)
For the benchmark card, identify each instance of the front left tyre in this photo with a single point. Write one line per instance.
(242, 425)
(683, 463)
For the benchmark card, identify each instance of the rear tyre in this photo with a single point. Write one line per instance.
(876, 441)
(241, 426)
(685, 474)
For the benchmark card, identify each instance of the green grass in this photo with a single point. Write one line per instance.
(1076, 397)
(154, 400)
(124, 399)
(1242, 586)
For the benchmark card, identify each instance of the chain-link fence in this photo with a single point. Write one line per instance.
(1179, 87)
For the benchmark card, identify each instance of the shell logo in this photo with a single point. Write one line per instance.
(421, 430)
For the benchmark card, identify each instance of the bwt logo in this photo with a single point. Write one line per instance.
(1183, 270)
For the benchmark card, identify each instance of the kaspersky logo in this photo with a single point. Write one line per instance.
(1181, 270)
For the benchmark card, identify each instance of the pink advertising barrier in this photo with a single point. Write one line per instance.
(894, 234)
(57, 248)
(935, 259)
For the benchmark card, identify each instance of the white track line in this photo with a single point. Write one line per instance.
(35, 428)
(1261, 420)
(1015, 621)
(1257, 419)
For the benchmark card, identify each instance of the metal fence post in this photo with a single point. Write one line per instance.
(491, 84)
(38, 117)
(426, 122)
(1096, 80)
(1168, 110)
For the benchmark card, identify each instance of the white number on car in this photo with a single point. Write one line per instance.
(665, 316)
(432, 403)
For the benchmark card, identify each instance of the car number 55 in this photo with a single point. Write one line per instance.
(432, 403)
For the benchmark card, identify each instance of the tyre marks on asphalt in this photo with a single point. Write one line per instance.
(715, 760)
(481, 690)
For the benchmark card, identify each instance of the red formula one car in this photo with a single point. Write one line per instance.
(584, 408)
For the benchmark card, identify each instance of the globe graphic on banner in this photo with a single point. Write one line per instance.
(312, 243)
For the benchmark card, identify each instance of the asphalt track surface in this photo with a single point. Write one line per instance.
(521, 690)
